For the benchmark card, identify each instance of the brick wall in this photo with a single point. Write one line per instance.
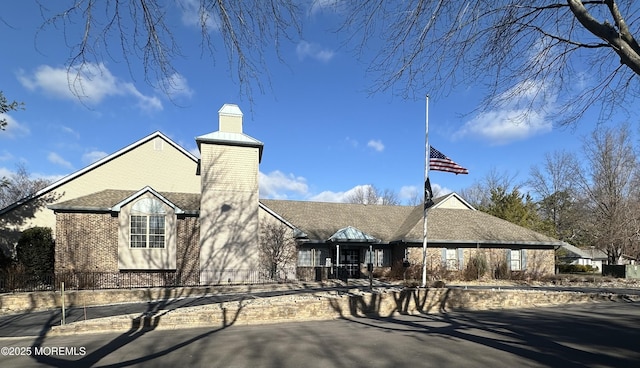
(86, 242)
(539, 262)
(188, 251)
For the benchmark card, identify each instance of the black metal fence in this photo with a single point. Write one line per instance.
(21, 282)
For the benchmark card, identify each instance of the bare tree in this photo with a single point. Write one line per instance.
(607, 183)
(369, 194)
(554, 185)
(535, 57)
(19, 185)
(277, 249)
(130, 30)
(479, 193)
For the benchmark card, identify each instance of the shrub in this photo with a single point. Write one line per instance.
(501, 271)
(476, 268)
(6, 262)
(35, 251)
(575, 268)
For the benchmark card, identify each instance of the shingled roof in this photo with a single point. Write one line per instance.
(105, 200)
(319, 221)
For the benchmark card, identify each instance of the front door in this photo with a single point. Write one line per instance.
(350, 258)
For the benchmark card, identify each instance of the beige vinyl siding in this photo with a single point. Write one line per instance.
(228, 210)
(231, 168)
(165, 169)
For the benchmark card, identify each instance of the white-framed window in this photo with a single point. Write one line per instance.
(312, 257)
(516, 259)
(147, 224)
(379, 257)
(451, 259)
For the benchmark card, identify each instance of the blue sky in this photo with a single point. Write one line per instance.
(324, 133)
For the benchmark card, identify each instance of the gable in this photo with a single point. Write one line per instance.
(154, 161)
(452, 201)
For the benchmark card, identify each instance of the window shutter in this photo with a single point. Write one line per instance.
(524, 259)
(508, 251)
(460, 259)
(444, 256)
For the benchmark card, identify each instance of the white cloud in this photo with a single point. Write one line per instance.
(5, 156)
(93, 156)
(4, 172)
(409, 192)
(70, 131)
(193, 15)
(340, 197)
(176, 86)
(91, 84)
(520, 117)
(313, 51)
(376, 145)
(56, 159)
(278, 185)
(13, 129)
(322, 5)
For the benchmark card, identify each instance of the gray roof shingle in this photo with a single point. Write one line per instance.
(320, 220)
(106, 199)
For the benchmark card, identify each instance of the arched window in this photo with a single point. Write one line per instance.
(147, 224)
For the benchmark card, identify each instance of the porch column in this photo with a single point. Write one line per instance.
(337, 261)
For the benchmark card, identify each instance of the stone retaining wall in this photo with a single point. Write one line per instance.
(43, 300)
(329, 305)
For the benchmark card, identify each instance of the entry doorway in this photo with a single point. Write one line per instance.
(350, 259)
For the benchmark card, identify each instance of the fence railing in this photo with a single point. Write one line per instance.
(21, 282)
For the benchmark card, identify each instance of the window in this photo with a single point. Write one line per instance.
(516, 259)
(147, 228)
(305, 258)
(451, 259)
(312, 257)
(380, 257)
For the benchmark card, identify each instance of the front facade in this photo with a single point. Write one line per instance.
(201, 222)
(357, 239)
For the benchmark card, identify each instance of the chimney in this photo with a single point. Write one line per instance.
(230, 119)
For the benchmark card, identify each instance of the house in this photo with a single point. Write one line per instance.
(154, 209)
(570, 254)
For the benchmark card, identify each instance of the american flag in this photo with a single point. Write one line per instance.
(439, 162)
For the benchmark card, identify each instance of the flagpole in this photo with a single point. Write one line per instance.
(424, 214)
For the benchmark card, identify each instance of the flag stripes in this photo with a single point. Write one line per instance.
(439, 162)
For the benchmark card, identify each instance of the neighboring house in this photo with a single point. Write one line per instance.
(154, 207)
(570, 254)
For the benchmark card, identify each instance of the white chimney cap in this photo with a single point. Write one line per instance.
(230, 109)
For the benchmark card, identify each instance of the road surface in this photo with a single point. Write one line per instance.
(589, 335)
